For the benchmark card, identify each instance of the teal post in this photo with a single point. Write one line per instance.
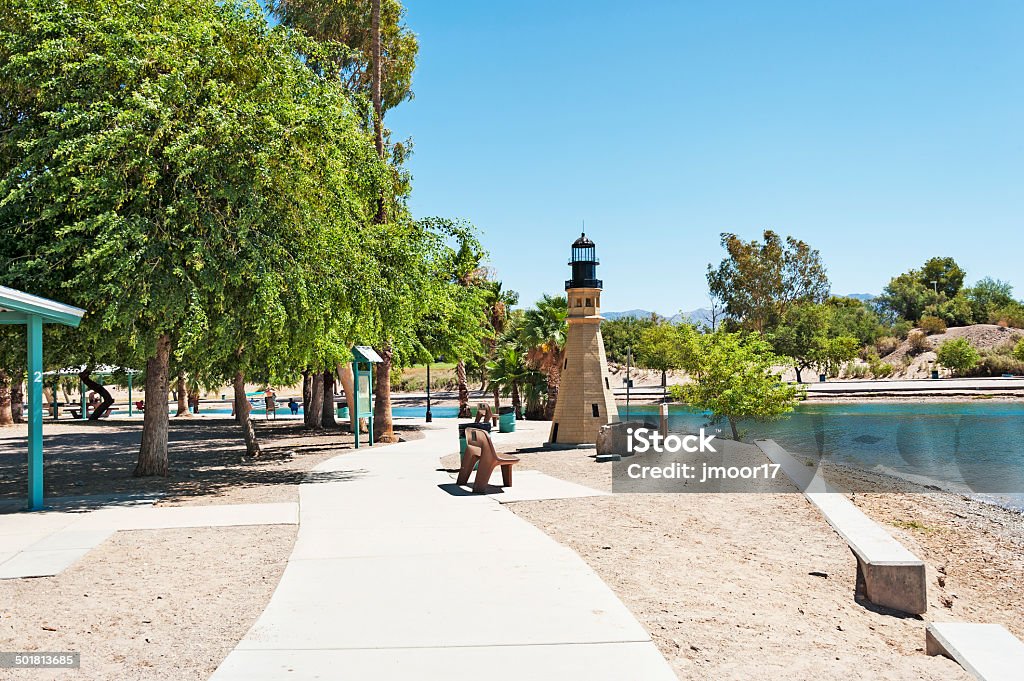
(130, 404)
(369, 377)
(34, 329)
(355, 399)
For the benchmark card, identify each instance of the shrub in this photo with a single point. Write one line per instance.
(880, 369)
(886, 345)
(958, 355)
(1018, 351)
(854, 370)
(994, 363)
(1009, 315)
(901, 329)
(932, 325)
(919, 342)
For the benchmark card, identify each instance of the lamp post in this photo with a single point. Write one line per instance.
(629, 383)
(430, 417)
(935, 285)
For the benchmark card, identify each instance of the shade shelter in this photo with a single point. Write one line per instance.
(100, 371)
(363, 359)
(17, 307)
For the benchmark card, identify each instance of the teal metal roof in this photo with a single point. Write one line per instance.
(364, 353)
(16, 306)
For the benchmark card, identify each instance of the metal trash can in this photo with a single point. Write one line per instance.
(506, 420)
(462, 436)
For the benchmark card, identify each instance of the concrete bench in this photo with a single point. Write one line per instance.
(893, 577)
(988, 651)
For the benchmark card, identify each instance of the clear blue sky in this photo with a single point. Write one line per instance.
(882, 133)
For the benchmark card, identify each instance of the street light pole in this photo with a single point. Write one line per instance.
(430, 417)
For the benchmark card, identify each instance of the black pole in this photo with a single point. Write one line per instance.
(629, 357)
(430, 417)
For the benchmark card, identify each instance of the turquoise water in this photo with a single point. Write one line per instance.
(397, 412)
(970, 446)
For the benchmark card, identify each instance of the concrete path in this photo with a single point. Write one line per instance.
(43, 544)
(394, 577)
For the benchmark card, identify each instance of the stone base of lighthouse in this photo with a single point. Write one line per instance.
(585, 399)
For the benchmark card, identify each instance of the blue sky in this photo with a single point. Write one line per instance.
(882, 133)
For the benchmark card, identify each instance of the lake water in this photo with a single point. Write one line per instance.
(975, 447)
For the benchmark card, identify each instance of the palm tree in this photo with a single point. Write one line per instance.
(499, 305)
(543, 333)
(507, 371)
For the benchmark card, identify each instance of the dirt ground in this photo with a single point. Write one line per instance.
(742, 586)
(165, 605)
(95, 458)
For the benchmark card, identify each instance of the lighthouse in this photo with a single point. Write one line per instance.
(585, 399)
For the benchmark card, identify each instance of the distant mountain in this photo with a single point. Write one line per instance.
(699, 316)
(866, 297)
(639, 314)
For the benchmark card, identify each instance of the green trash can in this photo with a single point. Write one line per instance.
(506, 420)
(342, 412)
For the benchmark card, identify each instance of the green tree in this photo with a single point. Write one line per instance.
(733, 378)
(807, 336)
(958, 355)
(905, 297)
(942, 274)
(507, 372)
(185, 153)
(622, 334)
(987, 296)
(659, 349)
(758, 282)
(543, 333)
(854, 318)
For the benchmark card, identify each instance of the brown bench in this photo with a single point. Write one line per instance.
(480, 452)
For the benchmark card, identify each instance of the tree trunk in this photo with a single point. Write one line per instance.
(153, 452)
(554, 377)
(242, 415)
(17, 400)
(348, 386)
(328, 420)
(383, 427)
(460, 374)
(6, 417)
(193, 397)
(307, 393)
(108, 399)
(735, 430)
(798, 375)
(182, 396)
(517, 404)
(315, 412)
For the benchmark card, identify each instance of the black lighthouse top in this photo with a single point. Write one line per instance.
(584, 265)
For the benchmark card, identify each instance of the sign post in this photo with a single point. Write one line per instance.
(363, 359)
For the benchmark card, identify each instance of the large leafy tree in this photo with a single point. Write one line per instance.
(178, 171)
(808, 337)
(622, 334)
(759, 281)
(733, 377)
(659, 349)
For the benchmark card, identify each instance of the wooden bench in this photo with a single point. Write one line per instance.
(892, 576)
(988, 651)
(480, 450)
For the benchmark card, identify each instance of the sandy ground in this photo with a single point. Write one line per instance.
(163, 605)
(732, 586)
(85, 458)
(153, 605)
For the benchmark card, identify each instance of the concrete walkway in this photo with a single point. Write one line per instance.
(395, 577)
